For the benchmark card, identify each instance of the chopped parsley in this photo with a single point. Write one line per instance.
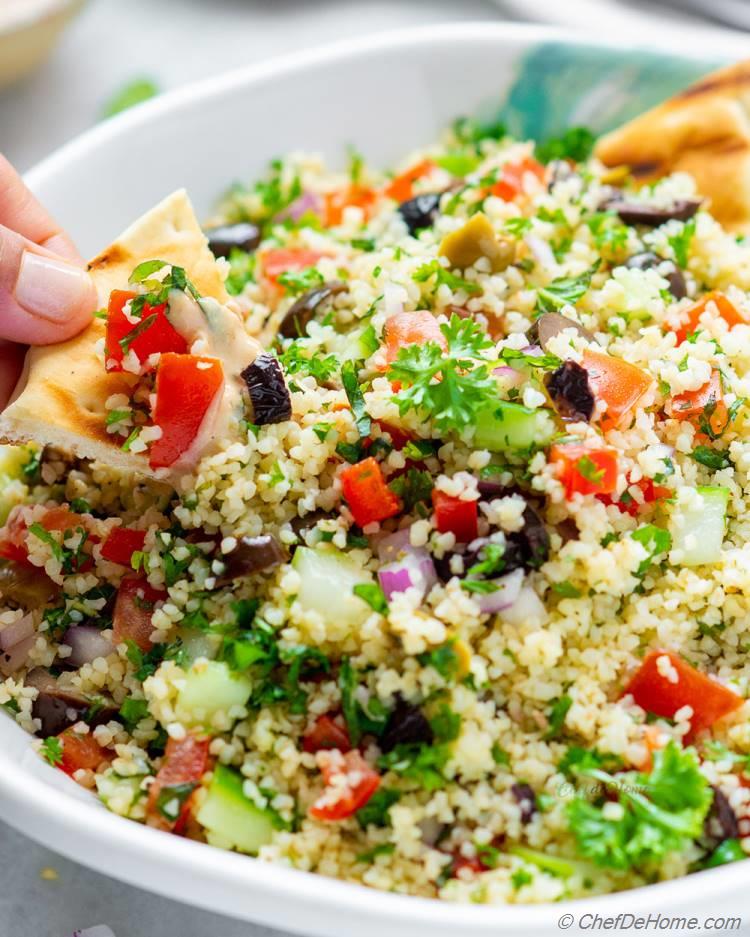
(661, 812)
(371, 593)
(360, 719)
(564, 291)
(375, 811)
(656, 540)
(588, 469)
(566, 590)
(451, 386)
(133, 710)
(576, 143)
(241, 270)
(134, 92)
(712, 458)
(52, 751)
(70, 558)
(296, 282)
(556, 717)
(356, 398)
(413, 487)
(433, 268)
(680, 243)
(444, 659)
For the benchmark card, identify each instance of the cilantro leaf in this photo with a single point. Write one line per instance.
(711, 458)
(451, 386)
(134, 92)
(300, 281)
(371, 593)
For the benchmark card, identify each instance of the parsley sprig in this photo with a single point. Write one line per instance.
(451, 386)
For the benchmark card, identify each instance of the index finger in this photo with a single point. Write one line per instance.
(21, 212)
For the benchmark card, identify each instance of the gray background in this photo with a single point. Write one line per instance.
(111, 43)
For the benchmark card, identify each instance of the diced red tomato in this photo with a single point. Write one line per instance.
(122, 543)
(456, 516)
(278, 260)
(357, 195)
(159, 336)
(411, 328)
(13, 537)
(726, 309)
(186, 386)
(585, 471)
(342, 800)
(326, 733)
(185, 763)
(656, 693)
(702, 407)
(366, 493)
(14, 534)
(510, 183)
(134, 608)
(81, 752)
(650, 491)
(401, 188)
(618, 383)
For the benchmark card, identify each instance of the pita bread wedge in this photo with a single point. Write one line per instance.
(60, 399)
(704, 131)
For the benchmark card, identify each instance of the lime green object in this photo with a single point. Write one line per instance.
(211, 688)
(327, 580)
(226, 812)
(511, 427)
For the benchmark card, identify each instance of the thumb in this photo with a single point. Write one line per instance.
(43, 297)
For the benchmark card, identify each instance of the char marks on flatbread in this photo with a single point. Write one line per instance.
(704, 131)
(60, 399)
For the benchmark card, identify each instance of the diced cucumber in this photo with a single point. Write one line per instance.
(327, 578)
(555, 865)
(698, 526)
(227, 813)
(197, 644)
(13, 489)
(209, 689)
(508, 427)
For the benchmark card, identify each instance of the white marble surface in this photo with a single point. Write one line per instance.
(173, 41)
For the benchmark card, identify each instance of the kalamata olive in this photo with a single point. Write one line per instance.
(251, 555)
(533, 538)
(571, 393)
(420, 211)
(299, 314)
(268, 391)
(407, 725)
(58, 708)
(302, 524)
(721, 822)
(550, 324)
(27, 588)
(647, 260)
(243, 235)
(525, 797)
(650, 215)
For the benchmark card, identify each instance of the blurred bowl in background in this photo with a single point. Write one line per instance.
(29, 30)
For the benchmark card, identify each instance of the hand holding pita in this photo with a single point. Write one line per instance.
(46, 295)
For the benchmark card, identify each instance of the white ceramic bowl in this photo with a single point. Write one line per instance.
(386, 94)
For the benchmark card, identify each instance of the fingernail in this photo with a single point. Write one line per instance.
(50, 289)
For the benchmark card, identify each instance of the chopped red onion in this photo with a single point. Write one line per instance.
(16, 632)
(415, 570)
(307, 202)
(391, 546)
(13, 659)
(87, 643)
(541, 250)
(511, 377)
(505, 595)
(535, 351)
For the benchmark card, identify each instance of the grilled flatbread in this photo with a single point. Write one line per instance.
(704, 131)
(60, 398)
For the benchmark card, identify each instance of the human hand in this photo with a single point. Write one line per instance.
(46, 296)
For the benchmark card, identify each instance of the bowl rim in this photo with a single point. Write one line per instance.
(25, 794)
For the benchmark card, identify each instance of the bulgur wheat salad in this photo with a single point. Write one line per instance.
(458, 604)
